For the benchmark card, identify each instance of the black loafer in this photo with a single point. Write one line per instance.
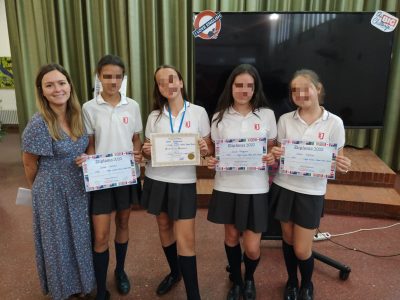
(235, 292)
(106, 297)
(167, 283)
(123, 284)
(306, 293)
(291, 292)
(249, 292)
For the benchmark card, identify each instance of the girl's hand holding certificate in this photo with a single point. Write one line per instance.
(146, 149)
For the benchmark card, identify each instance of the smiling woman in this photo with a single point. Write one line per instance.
(51, 142)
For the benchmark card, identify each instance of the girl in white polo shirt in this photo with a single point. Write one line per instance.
(170, 192)
(113, 123)
(298, 201)
(239, 198)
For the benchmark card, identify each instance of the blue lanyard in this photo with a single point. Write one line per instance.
(170, 118)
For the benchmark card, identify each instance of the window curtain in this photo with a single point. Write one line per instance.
(147, 33)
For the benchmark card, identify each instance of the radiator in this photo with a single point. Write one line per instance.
(8, 117)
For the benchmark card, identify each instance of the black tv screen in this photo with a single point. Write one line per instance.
(350, 55)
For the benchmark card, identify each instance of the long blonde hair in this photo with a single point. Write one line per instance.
(73, 112)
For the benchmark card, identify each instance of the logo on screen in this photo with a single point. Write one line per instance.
(207, 25)
(384, 21)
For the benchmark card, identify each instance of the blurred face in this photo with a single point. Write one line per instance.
(168, 83)
(304, 92)
(243, 89)
(56, 88)
(111, 77)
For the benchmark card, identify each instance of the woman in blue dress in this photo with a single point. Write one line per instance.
(52, 141)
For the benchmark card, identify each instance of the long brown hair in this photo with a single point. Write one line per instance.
(73, 112)
(226, 99)
(159, 101)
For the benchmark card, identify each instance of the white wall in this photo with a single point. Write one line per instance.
(8, 96)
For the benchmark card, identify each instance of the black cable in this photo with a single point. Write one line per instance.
(358, 250)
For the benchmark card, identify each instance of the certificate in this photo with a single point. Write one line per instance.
(308, 158)
(108, 171)
(174, 149)
(240, 154)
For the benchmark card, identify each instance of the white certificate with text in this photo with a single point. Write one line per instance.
(244, 154)
(174, 149)
(109, 170)
(308, 158)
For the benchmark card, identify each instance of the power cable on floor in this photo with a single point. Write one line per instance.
(361, 251)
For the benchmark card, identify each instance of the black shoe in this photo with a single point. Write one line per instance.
(235, 292)
(123, 284)
(249, 292)
(291, 292)
(166, 285)
(306, 293)
(106, 297)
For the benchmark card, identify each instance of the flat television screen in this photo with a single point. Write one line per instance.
(350, 55)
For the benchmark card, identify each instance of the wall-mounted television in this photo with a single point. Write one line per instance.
(351, 56)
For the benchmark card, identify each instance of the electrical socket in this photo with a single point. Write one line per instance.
(321, 236)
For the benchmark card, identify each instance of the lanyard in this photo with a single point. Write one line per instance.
(170, 118)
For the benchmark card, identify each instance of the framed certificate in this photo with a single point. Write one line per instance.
(308, 158)
(240, 154)
(174, 149)
(109, 170)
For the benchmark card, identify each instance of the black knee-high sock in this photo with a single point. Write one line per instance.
(189, 272)
(306, 270)
(120, 254)
(172, 257)
(251, 266)
(100, 264)
(290, 262)
(234, 255)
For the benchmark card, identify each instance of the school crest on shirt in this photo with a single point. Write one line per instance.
(125, 120)
(187, 124)
(321, 135)
(257, 126)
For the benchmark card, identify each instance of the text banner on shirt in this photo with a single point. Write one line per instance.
(240, 154)
(308, 158)
(174, 149)
(109, 170)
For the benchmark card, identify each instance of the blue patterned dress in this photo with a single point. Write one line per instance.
(60, 213)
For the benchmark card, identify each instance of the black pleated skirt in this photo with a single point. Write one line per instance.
(245, 211)
(114, 199)
(178, 200)
(302, 209)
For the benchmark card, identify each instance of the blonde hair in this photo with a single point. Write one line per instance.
(315, 80)
(73, 112)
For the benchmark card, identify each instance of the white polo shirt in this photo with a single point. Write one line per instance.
(112, 127)
(233, 125)
(328, 128)
(195, 121)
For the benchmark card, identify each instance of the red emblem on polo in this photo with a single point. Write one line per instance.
(187, 124)
(257, 126)
(125, 120)
(321, 135)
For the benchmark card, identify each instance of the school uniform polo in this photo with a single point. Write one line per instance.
(112, 126)
(328, 128)
(195, 121)
(261, 123)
